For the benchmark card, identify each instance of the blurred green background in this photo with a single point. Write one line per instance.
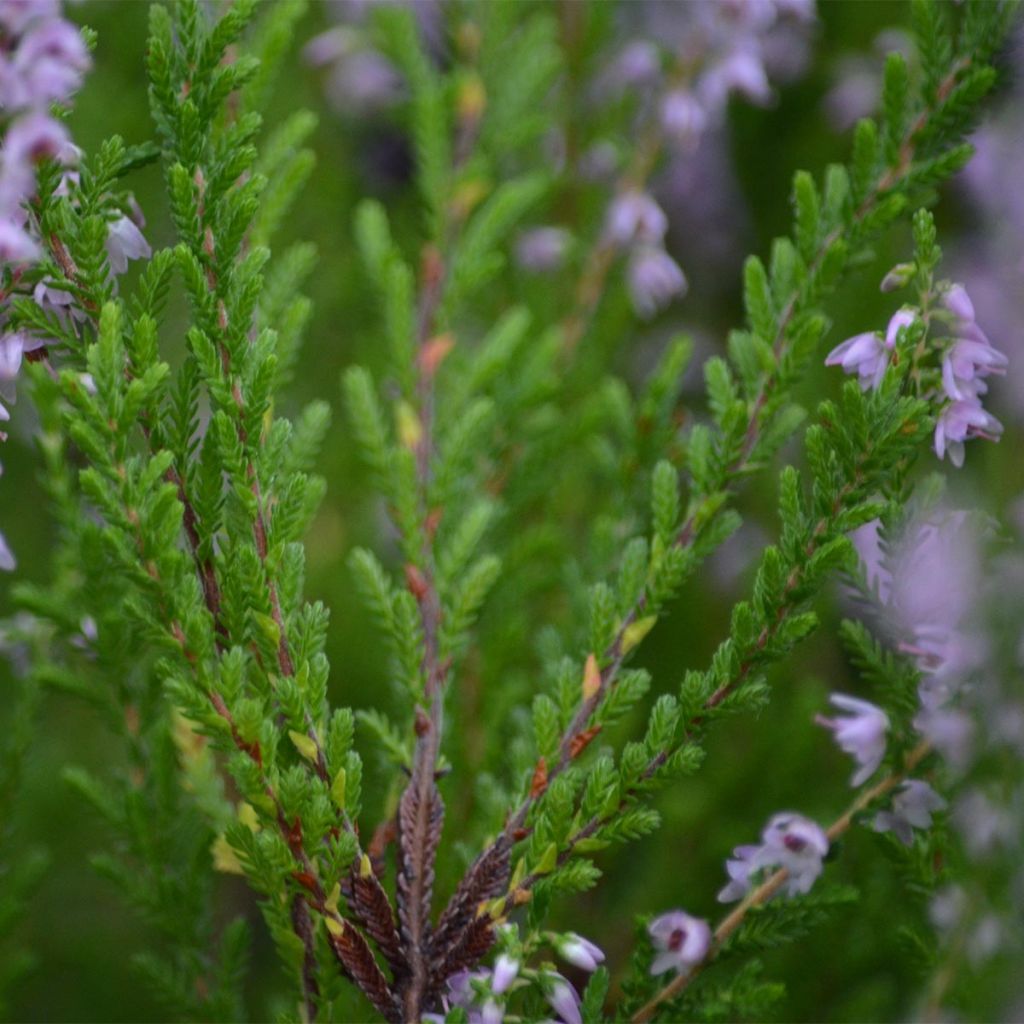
(850, 969)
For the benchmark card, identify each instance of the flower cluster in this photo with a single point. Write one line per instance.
(788, 841)
(43, 59)
(481, 994)
(861, 733)
(42, 63)
(636, 224)
(716, 50)
(967, 359)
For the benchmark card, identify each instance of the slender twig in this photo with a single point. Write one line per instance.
(759, 896)
(420, 804)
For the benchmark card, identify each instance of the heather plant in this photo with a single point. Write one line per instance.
(421, 851)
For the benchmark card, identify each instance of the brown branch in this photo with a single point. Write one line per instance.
(302, 925)
(421, 810)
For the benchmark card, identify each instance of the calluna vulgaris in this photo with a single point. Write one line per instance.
(540, 516)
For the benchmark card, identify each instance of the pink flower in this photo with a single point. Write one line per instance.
(654, 279)
(867, 354)
(682, 941)
(579, 951)
(564, 999)
(950, 731)
(683, 117)
(15, 244)
(542, 248)
(958, 422)
(860, 734)
(505, 971)
(912, 807)
(966, 361)
(795, 843)
(8, 562)
(125, 242)
(635, 217)
(738, 869)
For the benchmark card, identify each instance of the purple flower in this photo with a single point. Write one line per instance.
(564, 999)
(16, 15)
(863, 354)
(364, 82)
(638, 64)
(912, 807)
(635, 217)
(982, 823)
(959, 422)
(741, 71)
(861, 734)
(541, 249)
(795, 843)
(7, 560)
(329, 46)
(738, 868)
(579, 951)
(682, 117)
(654, 279)
(505, 971)
(951, 732)
(866, 354)
(49, 64)
(35, 137)
(125, 242)
(682, 941)
(15, 244)
(965, 362)
(958, 302)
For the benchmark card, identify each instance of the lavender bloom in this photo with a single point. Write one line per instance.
(866, 354)
(972, 356)
(125, 242)
(16, 15)
(738, 867)
(637, 65)
(466, 989)
(492, 1012)
(49, 64)
(35, 137)
(654, 279)
(682, 117)
(912, 807)
(861, 733)
(15, 244)
(958, 302)
(542, 249)
(683, 941)
(789, 841)
(564, 999)
(635, 217)
(959, 422)
(983, 824)
(795, 843)
(965, 362)
(741, 71)
(505, 971)
(579, 951)
(950, 732)
(7, 560)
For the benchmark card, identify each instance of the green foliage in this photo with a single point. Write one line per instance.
(545, 516)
